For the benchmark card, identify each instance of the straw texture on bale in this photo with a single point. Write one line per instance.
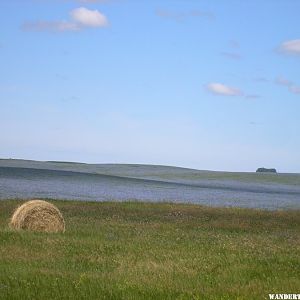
(38, 215)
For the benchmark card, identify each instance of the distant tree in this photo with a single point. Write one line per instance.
(265, 170)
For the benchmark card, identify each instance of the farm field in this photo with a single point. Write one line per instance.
(137, 250)
(147, 183)
(155, 172)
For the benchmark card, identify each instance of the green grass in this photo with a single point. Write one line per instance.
(152, 251)
(247, 177)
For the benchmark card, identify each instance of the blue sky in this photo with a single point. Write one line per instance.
(201, 84)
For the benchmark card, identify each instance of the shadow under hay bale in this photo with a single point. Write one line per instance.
(38, 215)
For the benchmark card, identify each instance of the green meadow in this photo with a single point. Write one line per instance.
(135, 250)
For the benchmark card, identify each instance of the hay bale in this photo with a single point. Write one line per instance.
(38, 215)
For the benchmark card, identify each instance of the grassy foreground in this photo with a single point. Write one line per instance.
(152, 251)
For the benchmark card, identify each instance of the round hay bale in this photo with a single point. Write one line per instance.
(38, 215)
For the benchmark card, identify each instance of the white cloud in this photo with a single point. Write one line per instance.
(224, 90)
(294, 89)
(88, 18)
(80, 18)
(289, 84)
(291, 47)
(283, 81)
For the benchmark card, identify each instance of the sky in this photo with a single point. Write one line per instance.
(211, 85)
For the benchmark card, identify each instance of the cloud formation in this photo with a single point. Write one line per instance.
(290, 47)
(88, 18)
(224, 90)
(283, 81)
(294, 89)
(289, 84)
(81, 18)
